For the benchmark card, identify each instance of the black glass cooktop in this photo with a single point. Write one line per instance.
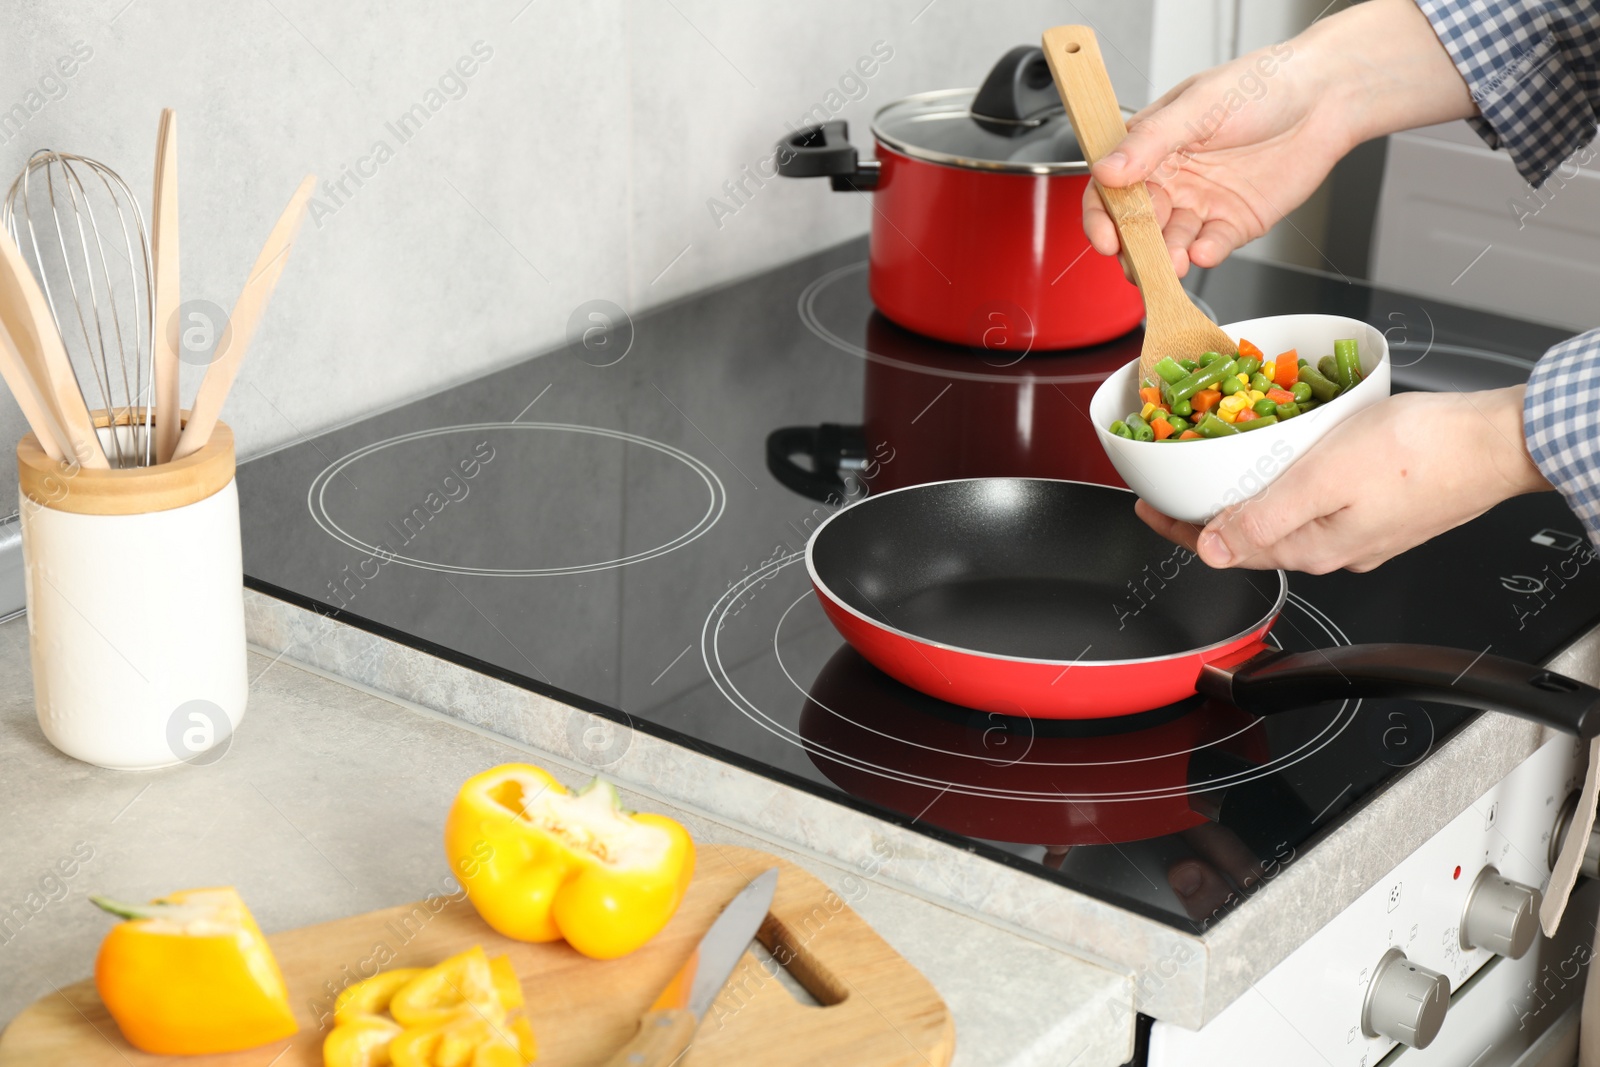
(620, 523)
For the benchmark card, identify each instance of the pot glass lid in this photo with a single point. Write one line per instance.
(943, 127)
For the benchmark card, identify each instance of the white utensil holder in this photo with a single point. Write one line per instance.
(135, 605)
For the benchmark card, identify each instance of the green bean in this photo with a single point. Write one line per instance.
(1206, 375)
(1301, 391)
(1260, 382)
(1183, 408)
(1264, 406)
(1211, 426)
(1329, 370)
(1347, 362)
(1170, 372)
(1321, 387)
(1208, 358)
(1230, 385)
(1256, 424)
(1286, 411)
(1120, 428)
(1249, 365)
(1140, 429)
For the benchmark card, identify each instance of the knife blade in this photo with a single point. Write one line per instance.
(667, 1030)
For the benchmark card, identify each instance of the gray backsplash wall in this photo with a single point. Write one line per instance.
(557, 152)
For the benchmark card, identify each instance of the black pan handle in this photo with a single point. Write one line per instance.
(832, 447)
(1019, 88)
(1263, 681)
(825, 151)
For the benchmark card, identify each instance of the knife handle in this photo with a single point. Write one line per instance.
(662, 1039)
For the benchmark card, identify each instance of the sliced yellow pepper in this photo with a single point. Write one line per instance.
(371, 997)
(463, 1042)
(360, 1041)
(540, 863)
(462, 984)
(191, 974)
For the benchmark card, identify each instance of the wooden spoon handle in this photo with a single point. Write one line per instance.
(241, 327)
(1073, 53)
(164, 264)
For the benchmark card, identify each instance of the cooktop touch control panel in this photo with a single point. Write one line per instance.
(1382, 973)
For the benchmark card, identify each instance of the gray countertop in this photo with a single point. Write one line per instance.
(331, 801)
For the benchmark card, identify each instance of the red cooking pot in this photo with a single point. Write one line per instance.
(931, 412)
(977, 221)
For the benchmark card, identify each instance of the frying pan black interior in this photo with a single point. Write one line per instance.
(1034, 569)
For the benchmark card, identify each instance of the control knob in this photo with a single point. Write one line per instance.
(1501, 915)
(1405, 1001)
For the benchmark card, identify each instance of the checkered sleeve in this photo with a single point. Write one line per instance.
(1561, 422)
(1533, 68)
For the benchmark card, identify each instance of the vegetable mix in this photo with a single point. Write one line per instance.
(1219, 395)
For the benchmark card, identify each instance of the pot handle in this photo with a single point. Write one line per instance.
(832, 448)
(1263, 681)
(1019, 88)
(825, 151)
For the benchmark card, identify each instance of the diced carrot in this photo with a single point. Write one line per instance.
(1280, 396)
(1288, 369)
(1206, 399)
(1245, 415)
(1188, 435)
(1150, 394)
(1162, 427)
(1250, 351)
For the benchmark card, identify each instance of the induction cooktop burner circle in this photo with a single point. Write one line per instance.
(1300, 617)
(564, 457)
(836, 308)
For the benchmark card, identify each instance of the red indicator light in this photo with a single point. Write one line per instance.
(1456, 875)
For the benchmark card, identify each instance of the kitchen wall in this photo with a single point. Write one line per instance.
(488, 166)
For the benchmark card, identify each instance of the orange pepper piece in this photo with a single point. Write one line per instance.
(1287, 369)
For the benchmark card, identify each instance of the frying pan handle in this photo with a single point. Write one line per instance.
(1262, 681)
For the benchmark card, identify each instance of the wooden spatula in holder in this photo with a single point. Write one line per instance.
(1173, 325)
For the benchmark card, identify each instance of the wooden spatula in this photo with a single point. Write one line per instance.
(164, 264)
(30, 398)
(1173, 325)
(26, 316)
(247, 310)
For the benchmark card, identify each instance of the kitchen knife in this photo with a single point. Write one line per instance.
(668, 1028)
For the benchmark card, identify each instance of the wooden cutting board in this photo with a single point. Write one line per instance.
(876, 1008)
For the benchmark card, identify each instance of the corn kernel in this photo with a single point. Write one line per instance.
(1256, 394)
(1270, 369)
(1144, 412)
(1228, 416)
(1234, 402)
(1243, 378)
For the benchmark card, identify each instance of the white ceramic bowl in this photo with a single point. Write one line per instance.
(1196, 479)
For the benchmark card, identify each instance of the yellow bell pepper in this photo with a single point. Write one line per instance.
(540, 863)
(360, 1041)
(191, 974)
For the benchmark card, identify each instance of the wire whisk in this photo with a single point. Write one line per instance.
(97, 278)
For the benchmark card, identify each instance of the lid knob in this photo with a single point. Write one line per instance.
(1018, 89)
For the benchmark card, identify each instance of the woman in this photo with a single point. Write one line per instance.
(1525, 75)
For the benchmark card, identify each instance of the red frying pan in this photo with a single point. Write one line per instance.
(1051, 599)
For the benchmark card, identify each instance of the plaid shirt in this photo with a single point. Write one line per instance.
(1533, 68)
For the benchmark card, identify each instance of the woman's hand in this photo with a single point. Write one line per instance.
(1384, 480)
(1232, 150)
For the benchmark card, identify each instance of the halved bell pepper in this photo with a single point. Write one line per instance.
(190, 974)
(540, 863)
